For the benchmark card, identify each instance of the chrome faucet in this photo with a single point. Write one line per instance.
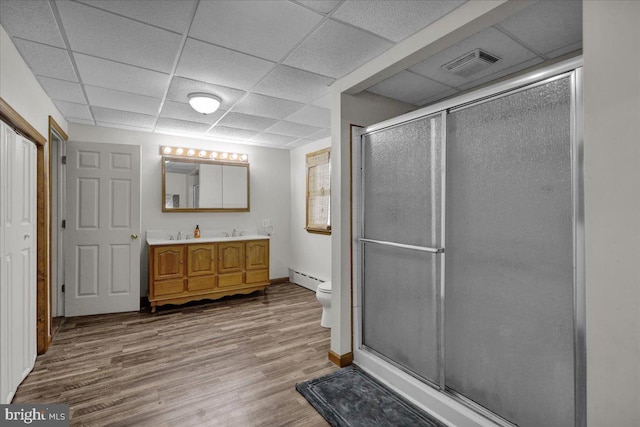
(179, 235)
(235, 232)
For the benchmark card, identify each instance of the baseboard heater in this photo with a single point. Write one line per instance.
(304, 280)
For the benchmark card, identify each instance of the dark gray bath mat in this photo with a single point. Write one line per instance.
(352, 398)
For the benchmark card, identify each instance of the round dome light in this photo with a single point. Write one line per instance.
(204, 103)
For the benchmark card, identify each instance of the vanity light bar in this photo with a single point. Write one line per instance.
(204, 154)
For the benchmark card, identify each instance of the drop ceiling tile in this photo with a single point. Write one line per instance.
(506, 72)
(107, 115)
(321, 134)
(178, 110)
(408, 87)
(438, 97)
(490, 40)
(270, 138)
(117, 100)
(80, 121)
(170, 14)
(71, 109)
(324, 102)
(322, 6)
(299, 143)
(266, 29)
(336, 49)
(220, 66)
(296, 85)
(292, 129)
(266, 106)
(99, 33)
(180, 88)
(247, 121)
(121, 126)
(312, 116)
(174, 125)
(17, 18)
(547, 25)
(62, 90)
(46, 60)
(564, 50)
(231, 133)
(394, 20)
(114, 75)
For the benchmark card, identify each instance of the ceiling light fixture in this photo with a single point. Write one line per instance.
(204, 103)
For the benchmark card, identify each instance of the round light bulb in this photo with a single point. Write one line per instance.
(234, 156)
(179, 151)
(191, 152)
(167, 150)
(202, 153)
(224, 155)
(213, 155)
(244, 157)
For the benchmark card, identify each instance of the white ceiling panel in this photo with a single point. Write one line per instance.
(322, 6)
(324, 102)
(273, 139)
(231, 133)
(62, 90)
(510, 70)
(180, 89)
(80, 121)
(178, 110)
(266, 106)
(547, 25)
(123, 117)
(170, 14)
(312, 116)
(296, 85)
(213, 64)
(117, 100)
(247, 121)
(299, 142)
(267, 29)
(408, 87)
(99, 33)
(336, 49)
(46, 60)
(293, 129)
(114, 75)
(563, 50)
(71, 109)
(17, 18)
(394, 20)
(490, 40)
(121, 126)
(321, 134)
(174, 125)
(434, 98)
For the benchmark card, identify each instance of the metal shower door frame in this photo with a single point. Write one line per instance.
(571, 68)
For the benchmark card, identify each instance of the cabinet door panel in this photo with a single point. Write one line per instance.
(257, 255)
(168, 262)
(201, 283)
(168, 287)
(228, 280)
(201, 260)
(231, 257)
(257, 276)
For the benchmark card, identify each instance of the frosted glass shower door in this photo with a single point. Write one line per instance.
(401, 189)
(509, 304)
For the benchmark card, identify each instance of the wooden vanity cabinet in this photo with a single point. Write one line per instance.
(179, 273)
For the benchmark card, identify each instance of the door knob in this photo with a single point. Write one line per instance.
(134, 236)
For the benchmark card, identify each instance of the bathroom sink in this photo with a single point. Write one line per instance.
(209, 239)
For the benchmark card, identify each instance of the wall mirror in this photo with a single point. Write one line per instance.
(198, 185)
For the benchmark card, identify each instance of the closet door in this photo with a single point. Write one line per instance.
(18, 267)
(509, 305)
(400, 244)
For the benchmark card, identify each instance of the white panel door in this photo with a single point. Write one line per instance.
(102, 248)
(18, 266)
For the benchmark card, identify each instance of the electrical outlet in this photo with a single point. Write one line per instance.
(266, 222)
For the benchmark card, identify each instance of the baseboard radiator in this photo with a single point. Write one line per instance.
(304, 280)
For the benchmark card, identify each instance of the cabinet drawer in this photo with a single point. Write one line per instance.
(168, 287)
(201, 283)
(259, 276)
(227, 280)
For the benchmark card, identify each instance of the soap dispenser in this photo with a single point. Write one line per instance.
(196, 232)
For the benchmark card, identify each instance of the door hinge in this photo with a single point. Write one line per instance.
(64, 223)
(63, 159)
(63, 286)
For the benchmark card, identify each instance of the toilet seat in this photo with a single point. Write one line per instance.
(324, 287)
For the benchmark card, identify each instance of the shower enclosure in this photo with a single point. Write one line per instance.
(470, 259)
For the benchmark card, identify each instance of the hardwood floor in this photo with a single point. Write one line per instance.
(231, 362)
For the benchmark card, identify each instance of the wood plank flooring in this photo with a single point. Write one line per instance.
(232, 362)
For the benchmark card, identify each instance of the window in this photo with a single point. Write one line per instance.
(319, 192)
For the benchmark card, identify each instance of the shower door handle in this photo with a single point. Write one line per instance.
(403, 246)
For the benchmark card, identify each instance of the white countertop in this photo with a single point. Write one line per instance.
(157, 241)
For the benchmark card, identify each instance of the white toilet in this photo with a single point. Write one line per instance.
(323, 294)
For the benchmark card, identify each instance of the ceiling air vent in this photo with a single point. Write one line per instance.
(470, 63)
